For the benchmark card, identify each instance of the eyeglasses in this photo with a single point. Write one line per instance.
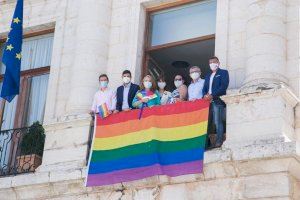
(178, 79)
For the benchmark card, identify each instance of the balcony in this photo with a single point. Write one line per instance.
(21, 149)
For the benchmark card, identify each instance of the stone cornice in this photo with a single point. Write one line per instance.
(68, 121)
(263, 90)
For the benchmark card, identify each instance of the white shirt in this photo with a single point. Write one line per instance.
(107, 96)
(211, 81)
(195, 89)
(125, 104)
(164, 97)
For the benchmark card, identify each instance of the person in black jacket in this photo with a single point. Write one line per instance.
(126, 93)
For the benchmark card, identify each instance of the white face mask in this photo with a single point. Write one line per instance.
(213, 66)
(195, 75)
(178, 83)
(103, 84)
(126, 80)
(147, 84)
(161, 85)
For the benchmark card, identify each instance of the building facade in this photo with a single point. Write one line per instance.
(68, 43)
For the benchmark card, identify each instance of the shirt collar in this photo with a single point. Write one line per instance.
(127, 86)
(105, 90)
(197, 81)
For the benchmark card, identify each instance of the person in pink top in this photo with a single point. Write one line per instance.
(104, 95)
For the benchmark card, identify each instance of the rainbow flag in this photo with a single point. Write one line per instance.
(167, 140)
(143, 94)
(103, 110)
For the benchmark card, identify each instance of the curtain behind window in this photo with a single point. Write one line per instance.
(36, 52)
(9, 113)
(37, 99)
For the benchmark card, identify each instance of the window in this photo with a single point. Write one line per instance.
(182, 23)
(183, 34)
(29, 105)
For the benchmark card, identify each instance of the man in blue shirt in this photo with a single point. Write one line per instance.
(215, 86)
(196, 86)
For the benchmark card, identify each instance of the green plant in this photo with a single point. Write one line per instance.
(33, 140)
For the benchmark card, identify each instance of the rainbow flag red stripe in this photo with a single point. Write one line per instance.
(167, 140)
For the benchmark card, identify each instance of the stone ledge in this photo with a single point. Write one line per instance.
(212, 171)
(68, 121)
(261, 90)
(258, 186)
(219, 163)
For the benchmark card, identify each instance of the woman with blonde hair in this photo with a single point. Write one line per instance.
(148, 96)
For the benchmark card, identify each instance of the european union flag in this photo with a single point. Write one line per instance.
(12, 55)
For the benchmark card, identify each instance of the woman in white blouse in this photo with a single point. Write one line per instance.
(164, 94)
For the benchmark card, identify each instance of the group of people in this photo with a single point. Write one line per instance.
(130, 96)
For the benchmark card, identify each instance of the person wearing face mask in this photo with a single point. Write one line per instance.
(181, 91)
(148, 96)
(215, 86)
(126, 93)
(104, 95)
(164, 94)
(196, 86)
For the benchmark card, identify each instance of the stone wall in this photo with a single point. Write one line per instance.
(256, 40)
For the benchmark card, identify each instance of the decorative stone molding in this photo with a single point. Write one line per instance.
(259, 113)
(261, 90)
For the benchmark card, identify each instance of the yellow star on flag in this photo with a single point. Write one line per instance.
(16, 20)
(7, 39)
(18, 56)
(9, 47)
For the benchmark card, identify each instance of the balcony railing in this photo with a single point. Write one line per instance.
(21, 150)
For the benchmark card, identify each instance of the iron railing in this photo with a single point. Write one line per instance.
(21, 150)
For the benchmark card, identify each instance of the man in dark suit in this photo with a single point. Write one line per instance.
(215, 86)
(126, 93)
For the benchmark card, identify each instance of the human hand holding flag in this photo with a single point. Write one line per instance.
(103, 110)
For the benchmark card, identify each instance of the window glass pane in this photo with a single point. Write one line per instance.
(9, 114)
(8, 117)
(185, 22)
(37, 99)
(36, 52)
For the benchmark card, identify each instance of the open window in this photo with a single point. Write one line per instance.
(180, 37)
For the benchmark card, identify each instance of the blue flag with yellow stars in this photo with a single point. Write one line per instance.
(12, 55)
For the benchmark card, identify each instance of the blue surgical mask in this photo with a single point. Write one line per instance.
(103, 84)
(147, 84)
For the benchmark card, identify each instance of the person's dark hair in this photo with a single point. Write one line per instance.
(183, 78)
(126, 72)
(103, 75)
(214, 57)
(161, 78)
